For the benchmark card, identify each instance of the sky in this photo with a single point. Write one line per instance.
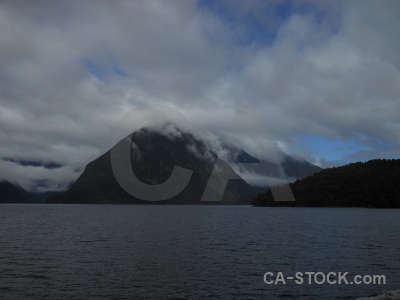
(318, 79)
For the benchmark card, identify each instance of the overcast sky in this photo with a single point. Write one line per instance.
(323, 77)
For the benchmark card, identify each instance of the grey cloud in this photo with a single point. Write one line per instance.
(29, 176)
(337, 76)
(263, 181)
(337, 85)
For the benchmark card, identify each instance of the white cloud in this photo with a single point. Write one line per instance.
(71, 69)
(38, 178)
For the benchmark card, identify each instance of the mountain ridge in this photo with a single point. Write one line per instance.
(153, 156)
(362, 184)
(11, 193)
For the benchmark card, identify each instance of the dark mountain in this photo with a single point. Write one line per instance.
(42, 196)
(251, 168)
(297, 167)
(153, 154)
(292, 167)
(10, 193)
(371, 184)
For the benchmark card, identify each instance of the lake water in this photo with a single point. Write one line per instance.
(192, 252)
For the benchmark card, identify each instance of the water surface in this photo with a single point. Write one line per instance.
(191, 252)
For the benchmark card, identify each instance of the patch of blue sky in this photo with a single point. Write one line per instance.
(251, 28)
(285, 9)
(103, 71)
(332, 149)
(378, 148)
(119, 71)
